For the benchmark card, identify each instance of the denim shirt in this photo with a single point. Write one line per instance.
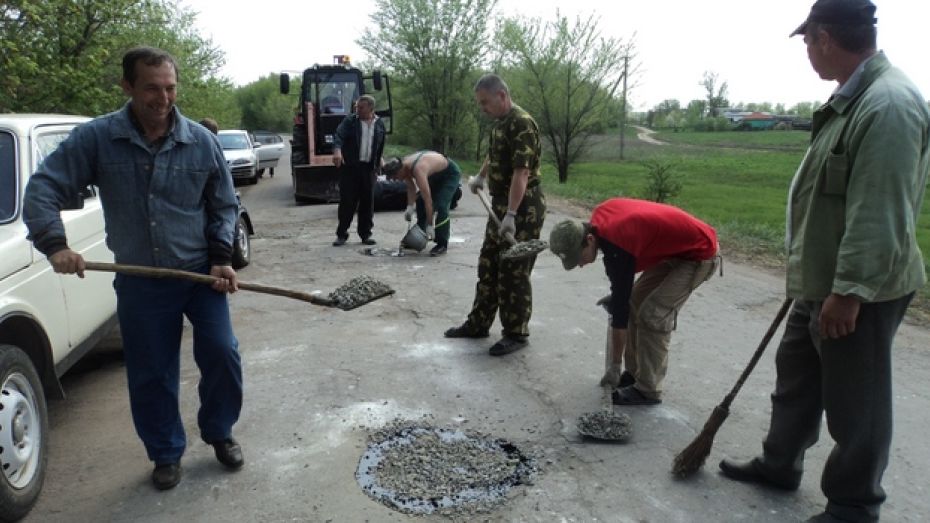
(174, 207)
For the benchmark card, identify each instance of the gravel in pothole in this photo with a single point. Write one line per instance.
(414, 467)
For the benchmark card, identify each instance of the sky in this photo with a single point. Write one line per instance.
(745, 42)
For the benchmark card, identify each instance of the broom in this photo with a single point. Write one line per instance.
(689, 460)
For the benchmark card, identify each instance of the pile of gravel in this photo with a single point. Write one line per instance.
(525, 249)
(359, 291)
(414, 467)
(605, 425)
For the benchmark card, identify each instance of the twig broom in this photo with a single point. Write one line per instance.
(689, 460)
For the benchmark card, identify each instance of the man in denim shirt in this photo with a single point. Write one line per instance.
(168, 201)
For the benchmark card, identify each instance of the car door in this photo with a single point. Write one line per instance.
(90, 301)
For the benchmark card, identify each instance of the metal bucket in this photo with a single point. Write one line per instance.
(415, 239)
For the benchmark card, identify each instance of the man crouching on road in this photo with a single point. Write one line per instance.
(168, 201)
(676, 253)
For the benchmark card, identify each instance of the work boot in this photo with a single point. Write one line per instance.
(166, 475)
(438, 250)
(754, 471)
(630, 395)
(465, 330)
(339, 241)
(228, 452)
(369, 241)
(507, 344)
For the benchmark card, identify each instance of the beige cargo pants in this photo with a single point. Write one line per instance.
(658, 295)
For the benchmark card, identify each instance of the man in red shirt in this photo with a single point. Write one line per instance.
(675, 252)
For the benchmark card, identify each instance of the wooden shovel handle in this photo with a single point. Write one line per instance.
(487, 205)
(159, 272)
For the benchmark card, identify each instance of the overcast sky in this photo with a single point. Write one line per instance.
(744, 41)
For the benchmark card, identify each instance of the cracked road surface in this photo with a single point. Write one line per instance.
(315, 377)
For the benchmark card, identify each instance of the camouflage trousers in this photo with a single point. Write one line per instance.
(505, 284)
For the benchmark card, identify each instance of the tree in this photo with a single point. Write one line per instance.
(63, 56)
(566, 75)
(263, 107)
(434, 49)
(716, 95)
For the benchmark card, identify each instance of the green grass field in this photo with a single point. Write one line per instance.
(736, 181)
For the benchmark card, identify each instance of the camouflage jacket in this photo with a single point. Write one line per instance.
(514, 144)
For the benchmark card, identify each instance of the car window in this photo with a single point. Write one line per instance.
(234, 141)
(8, 192)
(47, 142)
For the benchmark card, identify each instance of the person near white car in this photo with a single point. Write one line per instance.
(168, 201)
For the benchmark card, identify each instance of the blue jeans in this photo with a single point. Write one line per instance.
(151, 315)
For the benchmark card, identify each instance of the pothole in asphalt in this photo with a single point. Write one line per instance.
(417, 468)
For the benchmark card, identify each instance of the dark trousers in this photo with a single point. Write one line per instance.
(151, 315)
(442, 186)
(356, 184)
(849, 379)
(505, 284)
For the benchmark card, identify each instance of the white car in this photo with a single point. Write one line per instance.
(271, 150)
(241, 155)
(47, 320)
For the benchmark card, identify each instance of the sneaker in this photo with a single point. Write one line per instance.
(626, 379)
(368, 241)
(167, 475)
(339, 242)
(465, 331)
(438, 250)
(507, 344)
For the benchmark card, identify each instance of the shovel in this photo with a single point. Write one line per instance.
(355, 293)
(516, 250)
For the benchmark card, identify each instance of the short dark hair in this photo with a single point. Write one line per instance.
(852, 38)
(150, 56)
(492, 83)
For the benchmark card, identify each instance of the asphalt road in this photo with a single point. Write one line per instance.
(317, 379)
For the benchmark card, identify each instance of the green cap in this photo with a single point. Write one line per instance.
(565, 242)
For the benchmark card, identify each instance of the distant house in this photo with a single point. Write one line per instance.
(756, 121)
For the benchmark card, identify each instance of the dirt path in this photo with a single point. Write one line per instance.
(645, 134)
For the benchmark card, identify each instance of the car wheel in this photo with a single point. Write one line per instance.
(242, 251)
(23, 434)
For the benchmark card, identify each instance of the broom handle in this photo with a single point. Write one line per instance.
(758, 354)
(159, 272)
(487, 205)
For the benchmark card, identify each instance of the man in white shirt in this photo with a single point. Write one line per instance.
(359, 144)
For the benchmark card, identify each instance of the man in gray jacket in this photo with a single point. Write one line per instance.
(853, 266)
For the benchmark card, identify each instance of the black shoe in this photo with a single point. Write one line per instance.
(752, 472)
(339, 242)
(369, 241)
(228, 452)
(438, 250)
(506, 345)
(465, 331)
(626, 379)
(630, 395)
(167, 475)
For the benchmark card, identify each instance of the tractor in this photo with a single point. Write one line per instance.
(327, 95)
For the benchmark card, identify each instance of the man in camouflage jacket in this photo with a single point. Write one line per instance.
(511, 175)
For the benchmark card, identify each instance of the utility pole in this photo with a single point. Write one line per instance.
(626, 63)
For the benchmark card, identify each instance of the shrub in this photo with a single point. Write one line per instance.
(663, 183)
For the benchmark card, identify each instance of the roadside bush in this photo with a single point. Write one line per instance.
(663, 184)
